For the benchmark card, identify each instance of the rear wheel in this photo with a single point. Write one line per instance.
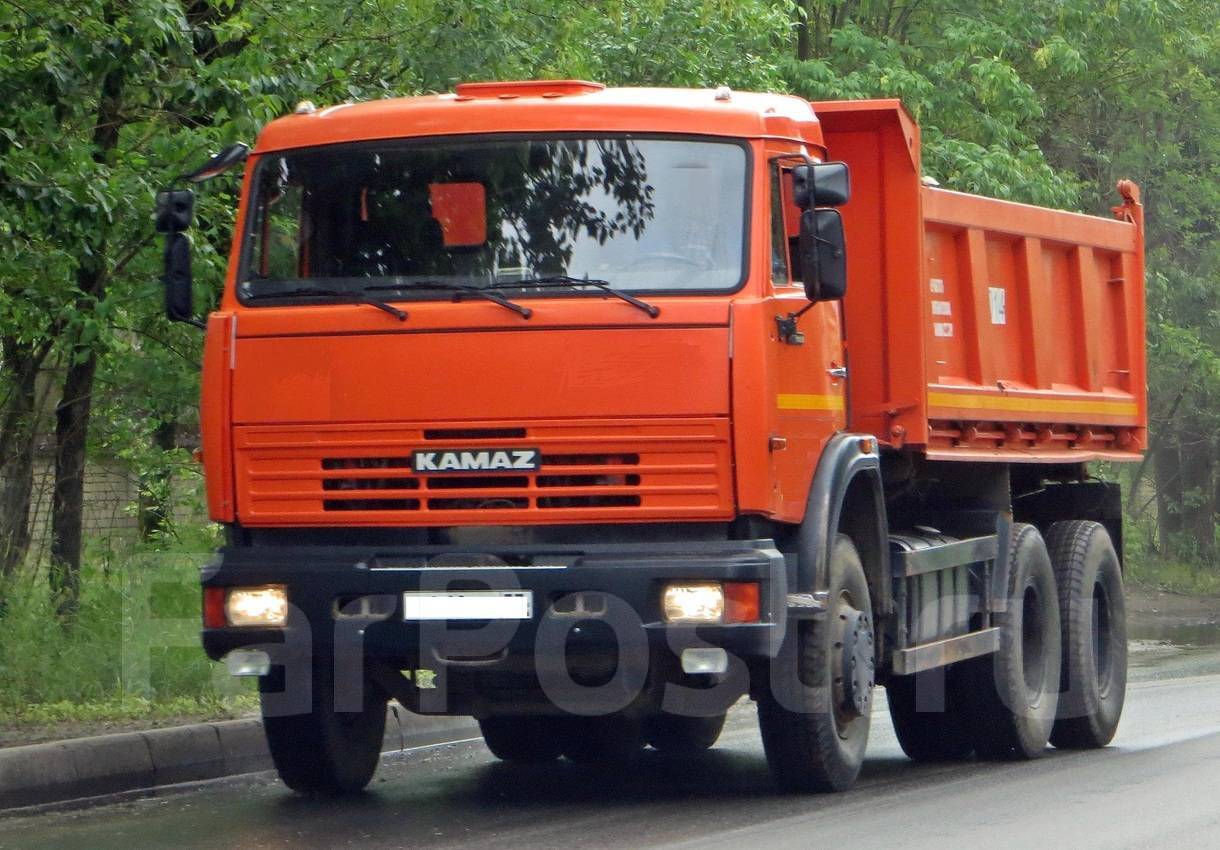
(814, 717)
(931, 715)
(523, 739)
(669, 733)
(1093, 614)
(327, 752)
(1018, 687)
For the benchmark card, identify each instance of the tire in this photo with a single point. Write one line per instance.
(529, 740)
(814, 716)
(610, 739)
(941, 735)
(669, 733)
(325, 752)
(1017, 691)
(1093, 615)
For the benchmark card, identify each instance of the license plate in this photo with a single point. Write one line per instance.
(468, 605)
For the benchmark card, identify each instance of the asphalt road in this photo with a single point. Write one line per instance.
(1157, 786)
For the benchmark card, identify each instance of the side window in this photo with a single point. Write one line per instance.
(780, 274)
(282, 233)
(785, 229)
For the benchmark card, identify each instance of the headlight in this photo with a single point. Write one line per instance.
(257, 606)
(694, 602)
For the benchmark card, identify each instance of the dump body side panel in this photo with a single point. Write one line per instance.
(984, 329)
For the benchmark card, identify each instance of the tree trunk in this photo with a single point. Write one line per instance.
(803, 16)
(156, 504)
(1199, 492)
(1168, 468)
(72, 414)
(68, 503)
(18, 433)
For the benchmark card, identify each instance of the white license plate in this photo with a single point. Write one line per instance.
(468, 605)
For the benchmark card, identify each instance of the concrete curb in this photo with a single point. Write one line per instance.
(130, 761)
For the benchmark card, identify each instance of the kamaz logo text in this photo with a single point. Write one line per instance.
(475, 460)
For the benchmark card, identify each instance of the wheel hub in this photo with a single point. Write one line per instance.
(858, 664)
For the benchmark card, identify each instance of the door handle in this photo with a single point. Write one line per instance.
(839, 372)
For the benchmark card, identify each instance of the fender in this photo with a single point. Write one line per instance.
(843, 461)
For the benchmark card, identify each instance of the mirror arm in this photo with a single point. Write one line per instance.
(788, 332)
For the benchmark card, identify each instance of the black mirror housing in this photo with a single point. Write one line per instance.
(823, 247)
(175, 209)
(179, 284)
(821, 184)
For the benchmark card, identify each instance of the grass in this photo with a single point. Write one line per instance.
(1162, 573)
(1146, 565)
(131, 656)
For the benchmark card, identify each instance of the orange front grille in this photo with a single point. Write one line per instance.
(588, 471)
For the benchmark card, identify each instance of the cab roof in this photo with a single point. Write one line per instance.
(542, 106)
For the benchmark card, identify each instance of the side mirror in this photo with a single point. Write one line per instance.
(822, 184)
(175, 209)
(823, 248)
(179, 291)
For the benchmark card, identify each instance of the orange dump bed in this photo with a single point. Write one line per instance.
(985, 329)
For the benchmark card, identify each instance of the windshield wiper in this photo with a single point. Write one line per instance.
(563, 280)
(459, 289)
(307, 291)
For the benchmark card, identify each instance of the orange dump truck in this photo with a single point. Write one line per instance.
(586, 411)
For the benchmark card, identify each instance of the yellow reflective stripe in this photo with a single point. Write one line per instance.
(803, 401)
(1032, 405)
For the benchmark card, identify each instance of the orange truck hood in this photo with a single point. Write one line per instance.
(533, 372)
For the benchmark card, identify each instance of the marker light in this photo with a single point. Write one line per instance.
(257, 606)
(694, 602)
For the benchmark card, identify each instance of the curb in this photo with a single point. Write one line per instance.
(60, 771)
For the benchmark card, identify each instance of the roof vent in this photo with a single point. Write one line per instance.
(527, 88)
(723, 93)
(305, 107)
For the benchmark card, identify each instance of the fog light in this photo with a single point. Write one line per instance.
(705, 660)
(257, 606)
(248, 662)
(694, 602)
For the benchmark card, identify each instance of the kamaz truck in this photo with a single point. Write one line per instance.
(588, 412)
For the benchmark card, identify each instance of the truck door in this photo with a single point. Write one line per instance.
(810, 382)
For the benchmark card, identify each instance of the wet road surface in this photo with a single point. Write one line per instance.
(1157, 786)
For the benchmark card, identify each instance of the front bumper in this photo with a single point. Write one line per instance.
(631, 578)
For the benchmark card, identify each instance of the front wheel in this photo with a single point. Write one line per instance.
(531, 740)
(327, 752)
(814, 716)
(606, 739)
(670, 733)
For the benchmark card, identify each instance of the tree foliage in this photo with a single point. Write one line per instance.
(103, 101)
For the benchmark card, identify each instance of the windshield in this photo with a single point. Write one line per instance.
(639, 214)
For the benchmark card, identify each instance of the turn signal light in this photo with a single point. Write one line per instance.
(214, 607)
(741, 602)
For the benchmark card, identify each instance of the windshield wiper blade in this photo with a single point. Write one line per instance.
(357, 297)
(597, 283)
(458, 288)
